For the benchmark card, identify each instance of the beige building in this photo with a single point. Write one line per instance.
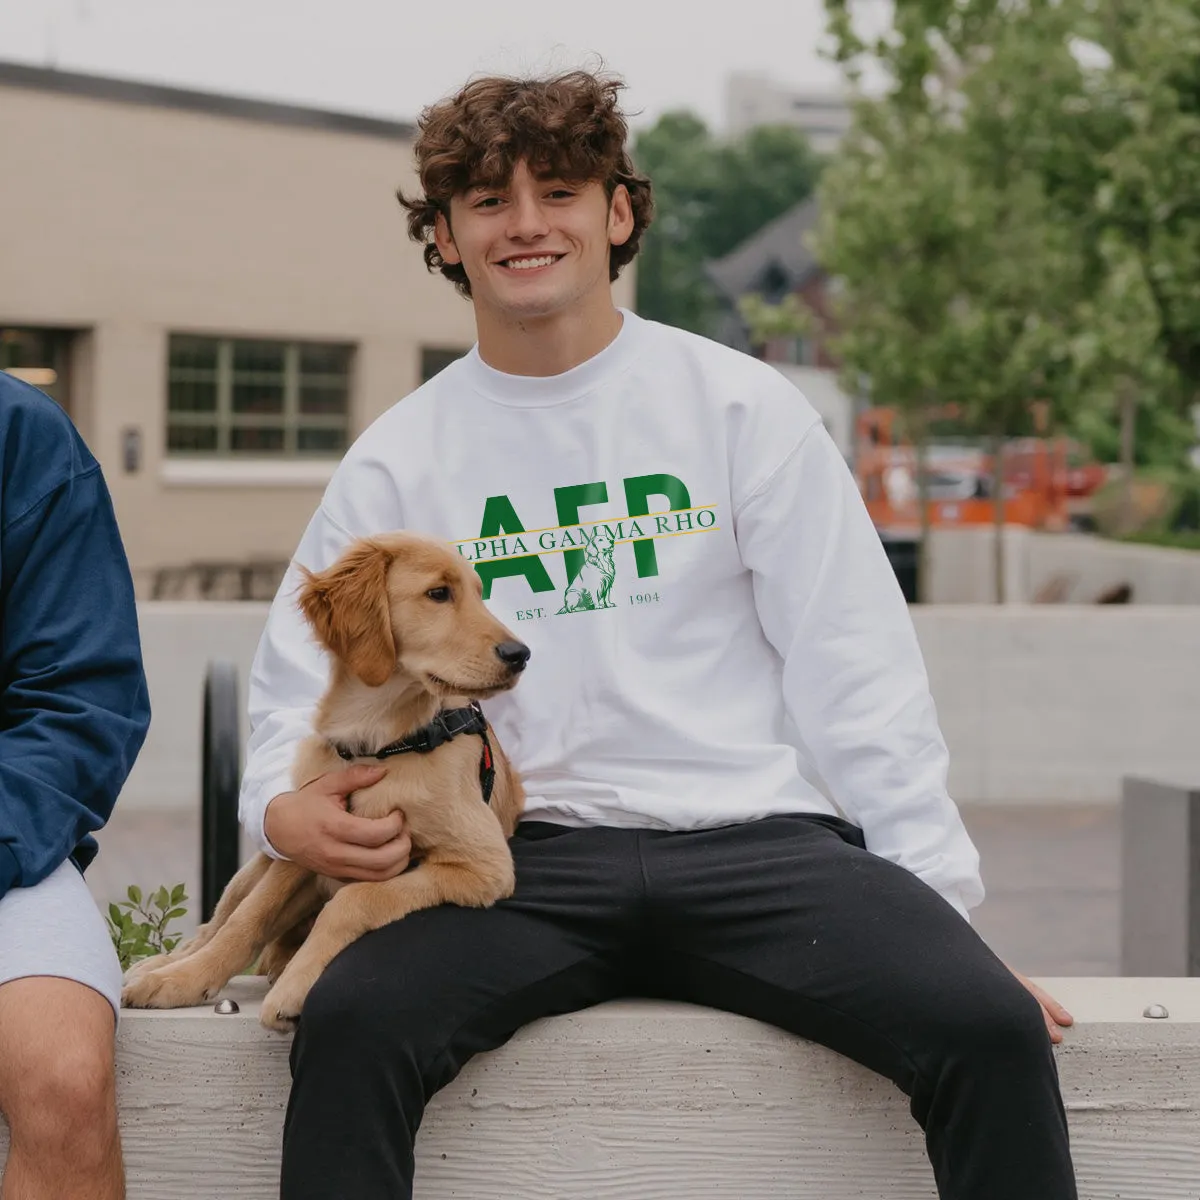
(753, 98)
(222, 294)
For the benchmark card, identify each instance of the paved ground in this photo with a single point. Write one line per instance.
(1052, 875)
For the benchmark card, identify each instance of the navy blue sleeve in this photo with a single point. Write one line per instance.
(74, 708)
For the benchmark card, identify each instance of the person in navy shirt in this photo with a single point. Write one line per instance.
(74, 711)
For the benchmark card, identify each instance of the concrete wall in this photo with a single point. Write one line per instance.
(1058, 702)
(961, 568)
(1036, 703)
(1158, 575)
(179, 640)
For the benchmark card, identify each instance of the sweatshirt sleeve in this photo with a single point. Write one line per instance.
(853, 676)
(287, 677)
(75, 707)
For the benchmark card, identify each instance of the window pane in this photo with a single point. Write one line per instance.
(192, 438)
(435, 359)
(258, 356)
(190, 395)
(193, 353)
(257, 397)
(325, 401)
(40, 357)
(256, 439)
(324, 360)
(320, 440)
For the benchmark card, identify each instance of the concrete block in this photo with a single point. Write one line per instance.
(1160, 878)
(662, 1102)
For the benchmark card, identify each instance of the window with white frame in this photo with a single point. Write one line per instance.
(232, 397)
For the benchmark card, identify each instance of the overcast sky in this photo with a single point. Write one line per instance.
(391, 57)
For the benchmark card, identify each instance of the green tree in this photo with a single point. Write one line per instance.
(1024, 278)
(892, 232)
(1150, 198)
(710, 195)
(676, 152)
(974, 302)
(1123, 372)
(765, 321)
(1123, 169)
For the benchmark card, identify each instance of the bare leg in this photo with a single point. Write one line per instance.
(58, 1091)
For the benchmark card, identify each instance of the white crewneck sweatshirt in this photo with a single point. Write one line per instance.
(717, 634)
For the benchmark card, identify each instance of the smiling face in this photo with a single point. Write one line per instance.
(535, 247)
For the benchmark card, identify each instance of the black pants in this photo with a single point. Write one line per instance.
(787, 920)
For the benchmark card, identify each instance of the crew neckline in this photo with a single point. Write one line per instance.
(535, 391)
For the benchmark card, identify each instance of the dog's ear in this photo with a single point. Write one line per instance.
(347, 606)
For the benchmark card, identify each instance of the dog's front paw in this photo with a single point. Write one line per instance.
(282, 1004)
(168, 987)
(143, 966)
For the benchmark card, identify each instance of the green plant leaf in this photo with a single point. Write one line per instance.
(134, 893)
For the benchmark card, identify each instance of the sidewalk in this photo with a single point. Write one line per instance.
(1052, 875)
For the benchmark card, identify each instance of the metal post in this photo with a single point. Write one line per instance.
(221, 757)
(1160, 884)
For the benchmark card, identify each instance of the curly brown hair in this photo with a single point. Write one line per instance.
(567, 126)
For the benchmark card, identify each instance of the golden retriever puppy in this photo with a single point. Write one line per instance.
(413, 649)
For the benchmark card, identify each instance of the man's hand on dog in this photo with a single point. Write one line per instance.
(313, 828)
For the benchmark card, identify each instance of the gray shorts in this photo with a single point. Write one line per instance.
(55, 928)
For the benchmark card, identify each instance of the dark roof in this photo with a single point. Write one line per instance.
(778, 247)
(129, 91)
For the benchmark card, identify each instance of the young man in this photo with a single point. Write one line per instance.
(721, 655)
(73, 714)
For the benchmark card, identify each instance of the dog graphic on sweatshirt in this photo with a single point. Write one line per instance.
(594, 582)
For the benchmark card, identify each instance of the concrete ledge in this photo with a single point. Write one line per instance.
(662, 1102)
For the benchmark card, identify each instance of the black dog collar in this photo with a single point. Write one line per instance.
(445, 727)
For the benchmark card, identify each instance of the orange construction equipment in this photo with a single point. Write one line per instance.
(1046, 480)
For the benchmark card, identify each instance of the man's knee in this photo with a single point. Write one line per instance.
(999, 1022)
(354, 1033)
(65, 1101)
(57, 1064)
(352, 1020)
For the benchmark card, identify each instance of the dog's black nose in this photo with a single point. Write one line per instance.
(514, 655)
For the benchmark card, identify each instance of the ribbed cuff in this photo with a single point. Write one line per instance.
(10, 869)
(253, 816)
(263, 840)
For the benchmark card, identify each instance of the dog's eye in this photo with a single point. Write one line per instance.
(439, 594)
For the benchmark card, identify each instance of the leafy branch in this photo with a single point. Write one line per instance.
(139, 926)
